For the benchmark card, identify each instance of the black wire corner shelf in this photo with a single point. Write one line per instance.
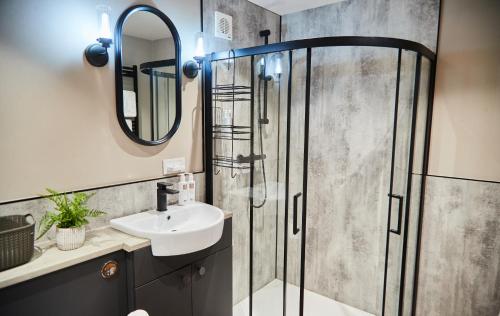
(231, 132)
(227, 98)
(229, 162)
(231, 93)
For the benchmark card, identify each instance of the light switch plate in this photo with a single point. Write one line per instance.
(174, 165)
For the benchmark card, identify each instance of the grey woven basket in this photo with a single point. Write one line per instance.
(17, 240)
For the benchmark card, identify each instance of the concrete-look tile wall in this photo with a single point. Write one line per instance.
(116, 201)
(352, 107)
(230, 193)
(460, 259)
(415, 20)
(248, 20)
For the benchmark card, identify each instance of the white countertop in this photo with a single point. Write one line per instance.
(98, 243)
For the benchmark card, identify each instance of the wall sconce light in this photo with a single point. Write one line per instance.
(97, 53)
(192, 67)
(271, 67)
(278, 66)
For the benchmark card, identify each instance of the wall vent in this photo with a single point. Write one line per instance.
(223, 26)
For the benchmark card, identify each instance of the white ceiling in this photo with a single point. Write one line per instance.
(282, 7)
(146, 25)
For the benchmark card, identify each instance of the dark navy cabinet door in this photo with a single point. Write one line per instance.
(80, 290)
(212, 285)
(169, 295)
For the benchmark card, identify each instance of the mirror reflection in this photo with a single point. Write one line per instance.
(148, 75)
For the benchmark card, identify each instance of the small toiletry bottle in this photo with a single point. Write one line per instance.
(191, 187)
(183, 189)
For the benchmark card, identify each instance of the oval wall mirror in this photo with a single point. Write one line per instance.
(148, 76)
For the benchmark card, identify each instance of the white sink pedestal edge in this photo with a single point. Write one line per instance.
(177, 231)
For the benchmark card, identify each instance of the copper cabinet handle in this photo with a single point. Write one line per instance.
(109, 269)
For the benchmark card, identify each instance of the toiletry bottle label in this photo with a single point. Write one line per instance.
(192, 192)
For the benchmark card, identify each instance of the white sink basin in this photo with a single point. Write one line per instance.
(179, 230)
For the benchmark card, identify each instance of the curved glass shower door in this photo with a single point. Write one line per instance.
(365, 150)
(321, 154)
(290, 213)
(277, 181)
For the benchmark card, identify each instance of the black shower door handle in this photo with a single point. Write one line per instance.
(400, 213)
(295, 198)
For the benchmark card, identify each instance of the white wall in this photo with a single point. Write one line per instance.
(57, 113)
(466, 124)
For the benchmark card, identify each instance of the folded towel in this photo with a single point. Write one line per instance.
(129, 106)
(129, 124)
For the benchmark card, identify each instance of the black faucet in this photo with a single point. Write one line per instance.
(161, 195)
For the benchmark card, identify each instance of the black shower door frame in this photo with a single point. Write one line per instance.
(309, 44)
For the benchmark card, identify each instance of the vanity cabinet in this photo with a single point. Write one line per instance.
(200, 289)
(212, 285)
(79, 290)
(170, 294)
(197, 284)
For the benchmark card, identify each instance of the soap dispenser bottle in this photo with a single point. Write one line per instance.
(191, 187)
(183, 190)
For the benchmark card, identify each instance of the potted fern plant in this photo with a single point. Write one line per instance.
(70, 219)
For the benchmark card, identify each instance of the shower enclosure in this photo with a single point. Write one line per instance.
(155, 115)
(319, 147)
(161, 76)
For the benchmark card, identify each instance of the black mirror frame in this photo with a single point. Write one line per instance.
(119, 79)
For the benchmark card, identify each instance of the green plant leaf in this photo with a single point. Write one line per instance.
(71, 212)
(46, 223)
(94, 213)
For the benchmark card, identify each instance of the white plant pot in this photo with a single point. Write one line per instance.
(70, 238)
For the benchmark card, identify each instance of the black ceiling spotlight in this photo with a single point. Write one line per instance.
(97, 53)
(192, 67)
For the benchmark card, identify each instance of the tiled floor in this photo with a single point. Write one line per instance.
(268, 302)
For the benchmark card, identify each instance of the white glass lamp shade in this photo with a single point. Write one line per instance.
(199, 51)
(278, 64)
(104, 24)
